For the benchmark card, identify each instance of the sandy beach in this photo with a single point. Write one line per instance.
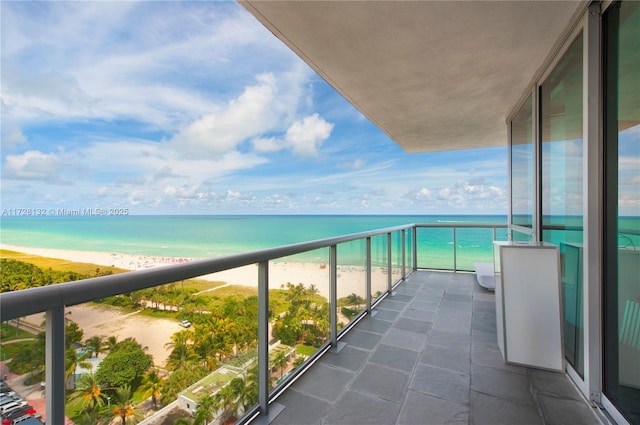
(351, 279)
(153, 332)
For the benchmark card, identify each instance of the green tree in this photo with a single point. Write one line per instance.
(88, 395)
(354, 300)
(123, 366)
(95, 345)
(225, 400)
(206, 408)
(281, 360)
(72, 333)
(151, 386)
(110, 343)
(123, 407)
(181, 379)
(72, 361)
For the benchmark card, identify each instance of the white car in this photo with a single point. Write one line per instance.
(185, 323)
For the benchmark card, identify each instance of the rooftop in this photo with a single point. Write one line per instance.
(430, 356)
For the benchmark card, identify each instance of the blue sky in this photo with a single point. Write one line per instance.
(196, 108)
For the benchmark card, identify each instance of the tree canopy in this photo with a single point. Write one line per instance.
(124, 365)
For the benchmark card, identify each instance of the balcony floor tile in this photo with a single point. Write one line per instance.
(429, 360)
(422, 408)
(324, 382)
(350, 358)
(395, 357)
(405, 339)
(490, 410)
(442, 383)
(315, 410)
(388, 384)
(450, 358)
(357, 408)
(362, 339)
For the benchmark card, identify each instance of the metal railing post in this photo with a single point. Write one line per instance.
(368, 274)
(389, 263)
(368, 270)
(263, 336)
(404, 253)
(455, 251)
(414, 229)
(55, 365)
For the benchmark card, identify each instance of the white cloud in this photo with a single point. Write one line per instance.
(270, 144)
(12, 136)
(306, 136)
(248, 115)
(35, 165)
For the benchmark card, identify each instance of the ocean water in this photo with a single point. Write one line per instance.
(190, 236)
(213, 236)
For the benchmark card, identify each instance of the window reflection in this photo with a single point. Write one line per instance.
(522, 166)
(561, 151)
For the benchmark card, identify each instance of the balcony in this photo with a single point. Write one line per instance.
(421, 347)
(430, 356)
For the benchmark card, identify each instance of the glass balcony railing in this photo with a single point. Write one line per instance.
(309, 296)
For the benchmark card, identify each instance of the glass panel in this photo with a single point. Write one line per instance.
(352, 280)
(408, 250)
(396, 257)
(379, 261)
(299, 309)
(22, 365)
(562, 145)
(522, 166)
(435, 248)
(475, 245)
(622, 233)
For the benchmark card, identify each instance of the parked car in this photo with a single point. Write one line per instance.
(185, 323)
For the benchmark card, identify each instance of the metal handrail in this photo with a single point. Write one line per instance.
(35, 300)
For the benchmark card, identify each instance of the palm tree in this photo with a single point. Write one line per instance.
(204, 344)
(72, 361)
(95, 345)
(151, 386)
(110, 343)
(181, 352)
(88, 394)
(123, 407)
(354, 300)
(225, 400)
(206, 408)
(90, 417)
(281, 361)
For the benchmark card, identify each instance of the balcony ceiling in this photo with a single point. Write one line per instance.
(433, 75)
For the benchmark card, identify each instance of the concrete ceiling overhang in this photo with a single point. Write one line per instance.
(433, 75)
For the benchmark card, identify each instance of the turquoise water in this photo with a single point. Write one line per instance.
(212, 236)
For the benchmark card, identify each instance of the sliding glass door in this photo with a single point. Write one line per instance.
(622, 208)
(561, 136)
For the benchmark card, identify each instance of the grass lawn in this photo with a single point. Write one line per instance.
(306, 350)
(57, 264)
(90, 269)
(9, 333)
(7, 351)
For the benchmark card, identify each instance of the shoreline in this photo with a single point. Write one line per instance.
(351, 278)
(154, 332)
